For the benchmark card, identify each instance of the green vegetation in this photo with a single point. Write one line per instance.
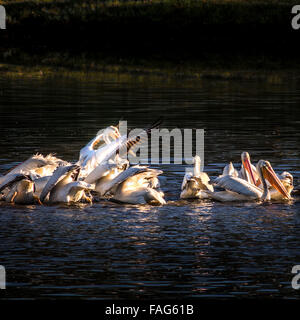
(204, 11)
(83, 68)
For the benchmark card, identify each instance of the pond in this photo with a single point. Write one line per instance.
(185, 249)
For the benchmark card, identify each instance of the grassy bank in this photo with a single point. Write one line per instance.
(82, 68)
(202, 11)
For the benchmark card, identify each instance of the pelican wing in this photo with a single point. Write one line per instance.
(11, 179)
(130, 172)
(122, 144)
(85, 151)
(99, 172)
(227, 196)
(204, 182)
(52, 160)
(144, 178)
(33, 162)
(39, 184)
(103, 154)
(57, 176)
(82, 185)
(79, 185)
(239, 186)
(141, 196)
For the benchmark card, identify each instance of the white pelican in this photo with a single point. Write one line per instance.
(89, 157)
(238, 189)
(107, 167)
(35, 167)
(196, 183)
(22, 192)
(13, 179)
(247, 172)
(39, 185)
(286, 179)
(103, 183)
(63, 187)
(110, 154)
(134, 186)
(18, 188)
(109, 151)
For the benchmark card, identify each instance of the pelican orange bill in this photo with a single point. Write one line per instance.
(247, 166)
(271, 176)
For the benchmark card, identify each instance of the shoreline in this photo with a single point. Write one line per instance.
(123, 74)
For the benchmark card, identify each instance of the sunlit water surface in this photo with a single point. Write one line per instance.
(182, 250)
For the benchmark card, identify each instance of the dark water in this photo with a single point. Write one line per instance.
(184, 249)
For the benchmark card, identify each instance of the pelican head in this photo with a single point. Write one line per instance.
(287, 178)
(23, 193)
(266, 171)
(247, 165)
(193, 185)
(110, 132)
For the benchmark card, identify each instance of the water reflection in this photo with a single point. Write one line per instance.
(184, 249)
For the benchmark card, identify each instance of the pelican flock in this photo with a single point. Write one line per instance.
(101, 173)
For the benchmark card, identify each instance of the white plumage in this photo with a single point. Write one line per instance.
(196, 183)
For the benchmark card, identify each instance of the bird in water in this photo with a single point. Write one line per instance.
(90, 156)
(137, 185)
(102, 184)
(247, 172)
(237, 189)
(35, 166)
(102, 170)
(22, 192)
(20, 189)
(196, 183)
(63, 187)
(110, 162)
(23, 183)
